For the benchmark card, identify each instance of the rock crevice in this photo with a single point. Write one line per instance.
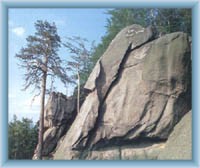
(139, 89)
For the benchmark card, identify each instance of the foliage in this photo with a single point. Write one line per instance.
(22, 138)
(173, 20)
(80, 54)
(40, 56)
(40, 60)
(80, 63)
(164, 20)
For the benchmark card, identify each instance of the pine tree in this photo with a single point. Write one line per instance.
(40, 60)
(80, 64)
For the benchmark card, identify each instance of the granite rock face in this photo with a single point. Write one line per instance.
(139, 89)
(141, 151)
(179, 144)
(60, 111)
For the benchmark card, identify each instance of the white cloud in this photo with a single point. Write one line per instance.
(19, 31)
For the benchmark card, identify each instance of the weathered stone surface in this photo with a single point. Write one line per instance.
(107, 68)
(137, 90)
(58, 110)
(179, 143)
(152, 93)
(85, 120)
(99, 82)
(141, 151)
(59, 114)
(106, 154)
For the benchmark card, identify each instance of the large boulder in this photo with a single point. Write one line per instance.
(152, 93)
(139, 89)
(179, 144)
(60, 111)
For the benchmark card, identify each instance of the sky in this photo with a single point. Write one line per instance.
(86, 23)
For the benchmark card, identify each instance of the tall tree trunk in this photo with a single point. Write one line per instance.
(42, 104)
(78, 93)
(41, 125)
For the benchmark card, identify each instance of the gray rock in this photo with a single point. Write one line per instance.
(179, 143)
(152, 93)
(106, 69)
(141, 151)
(79, 129)
(99, 82)
(58, 110)
(59, 114)
(106, 154)
(138, 89)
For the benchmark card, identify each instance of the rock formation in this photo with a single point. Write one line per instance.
(179, 144)
(60, 111)
(138, 91)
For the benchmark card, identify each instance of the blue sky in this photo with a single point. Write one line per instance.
(87, 23)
